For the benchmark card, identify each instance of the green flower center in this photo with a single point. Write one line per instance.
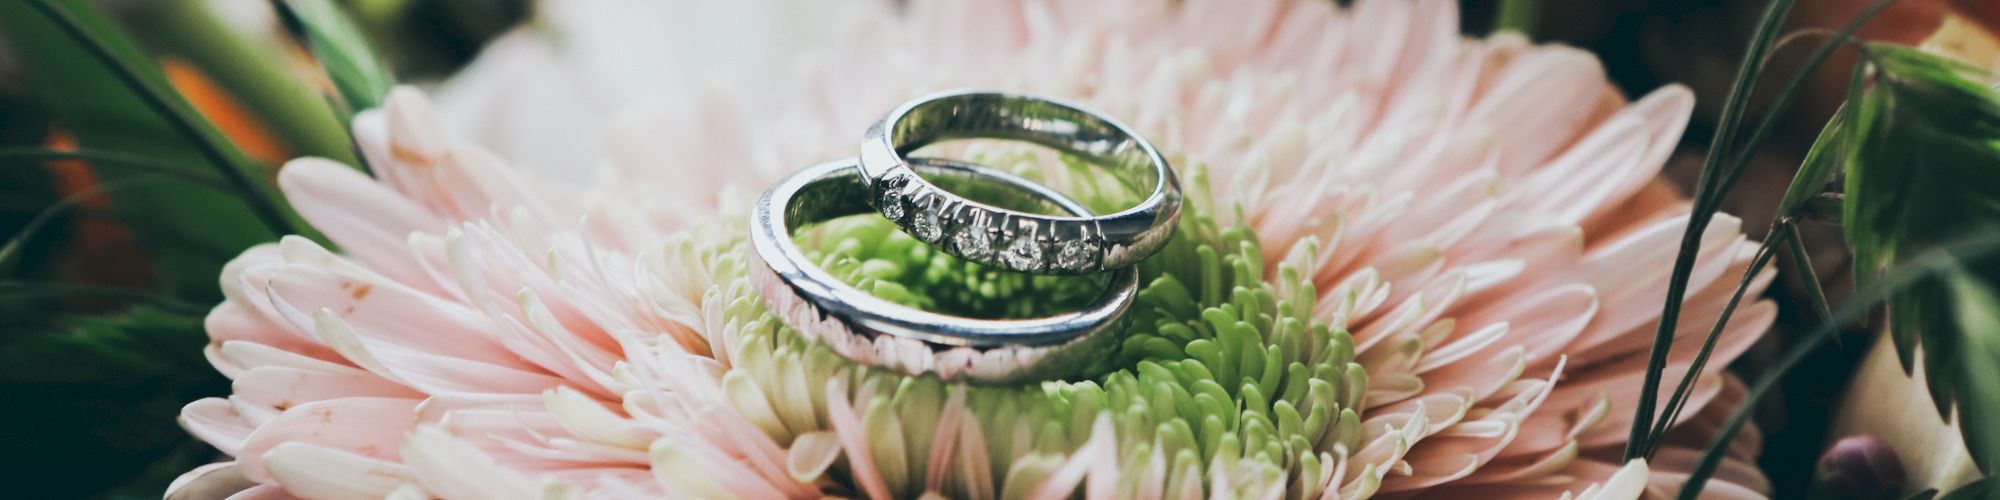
(1218, 367)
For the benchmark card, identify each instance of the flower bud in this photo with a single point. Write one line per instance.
(1862, 466)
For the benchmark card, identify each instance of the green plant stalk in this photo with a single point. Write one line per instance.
(255, 73)
(1705, 468)
(1707, 202)
(1518, 16)
(1789, 93)
(1679, 400)
(1802, 260)
(1707, 196)
(1811, 178)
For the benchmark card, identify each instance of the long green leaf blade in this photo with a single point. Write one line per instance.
(1707, 194)
(1811, 179)
(1978, 313)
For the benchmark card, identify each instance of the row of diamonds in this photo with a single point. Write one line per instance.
(982, 235)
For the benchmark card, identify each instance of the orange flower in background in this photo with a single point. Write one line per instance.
(228, 114)
(104, 252)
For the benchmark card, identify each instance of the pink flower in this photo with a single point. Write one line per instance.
(1478, 222)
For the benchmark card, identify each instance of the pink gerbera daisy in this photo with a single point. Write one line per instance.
(1414, 265)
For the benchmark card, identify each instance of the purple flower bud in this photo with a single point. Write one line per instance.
(1860, 467)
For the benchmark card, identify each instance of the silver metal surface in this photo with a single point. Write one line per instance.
(1019, 240)
(877, 332)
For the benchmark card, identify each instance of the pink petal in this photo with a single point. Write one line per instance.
(370, 427)
(216, 422)
(363, 217)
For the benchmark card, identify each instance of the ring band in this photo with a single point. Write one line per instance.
(1018, 240)
(877, 332)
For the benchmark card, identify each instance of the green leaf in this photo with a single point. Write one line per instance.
(1518, 16)
(1827, 158)
(360, 77)
(1803, 268)
(188, 233)
(1978, 312)
(1926, 164)
(1926, 170)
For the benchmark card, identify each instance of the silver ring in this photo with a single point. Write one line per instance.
(877, 332)
(1018, 240)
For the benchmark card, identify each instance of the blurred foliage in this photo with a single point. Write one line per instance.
(187, 230)
(104, 369)
(25, 190)
(95, 399)
(97, 394)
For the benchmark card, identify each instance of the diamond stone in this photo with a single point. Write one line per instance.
(926, 226)
(892, 204)
(973, 243)
(1024, 254)
(1076, 255)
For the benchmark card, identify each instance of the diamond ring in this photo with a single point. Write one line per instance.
(1020, 241)
(877, 332)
